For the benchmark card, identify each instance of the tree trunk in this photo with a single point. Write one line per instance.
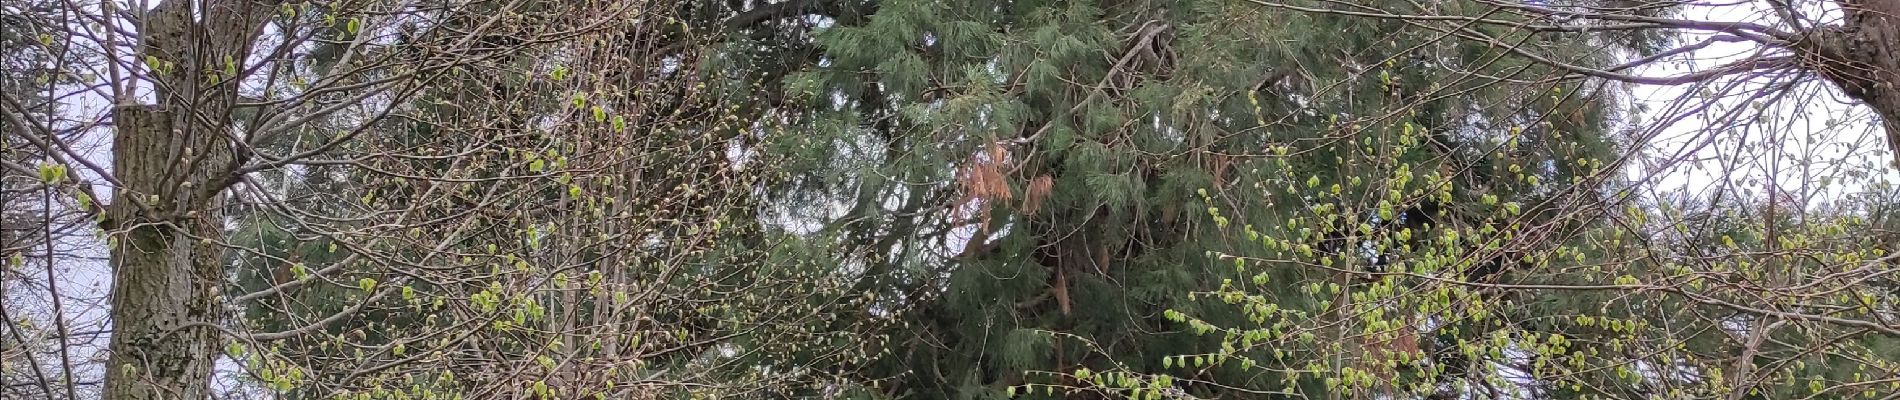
(166, 270)
(171, 160)
(1862, 56)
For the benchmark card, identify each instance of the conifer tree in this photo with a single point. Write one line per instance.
(1034, 188)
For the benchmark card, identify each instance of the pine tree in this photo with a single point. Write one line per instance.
(1034, 188)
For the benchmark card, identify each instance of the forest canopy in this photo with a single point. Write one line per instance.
(949, 199)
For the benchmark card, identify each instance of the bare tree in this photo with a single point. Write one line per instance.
(43, 340)
(509, 198)
(1754, 279)
(1853, 44)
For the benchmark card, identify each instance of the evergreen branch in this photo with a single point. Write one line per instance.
(783, 9)
(1144, 38)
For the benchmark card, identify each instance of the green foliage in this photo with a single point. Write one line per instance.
(990, 199)
(1068, 167)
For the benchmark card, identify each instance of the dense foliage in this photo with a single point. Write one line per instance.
(1034, 180)
(955, 199)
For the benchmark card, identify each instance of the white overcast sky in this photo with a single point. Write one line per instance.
(1814, 124)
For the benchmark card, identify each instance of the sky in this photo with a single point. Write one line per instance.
(1815, 123)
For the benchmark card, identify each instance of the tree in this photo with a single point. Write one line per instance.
(1628, 294)
(533, 193)
(607, 244)
(1849, 43)
(945, 199)
(1024, 184)
(42, 345)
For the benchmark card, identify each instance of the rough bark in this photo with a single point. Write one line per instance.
(1862, 56)
(166, 269)
(166, 217)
